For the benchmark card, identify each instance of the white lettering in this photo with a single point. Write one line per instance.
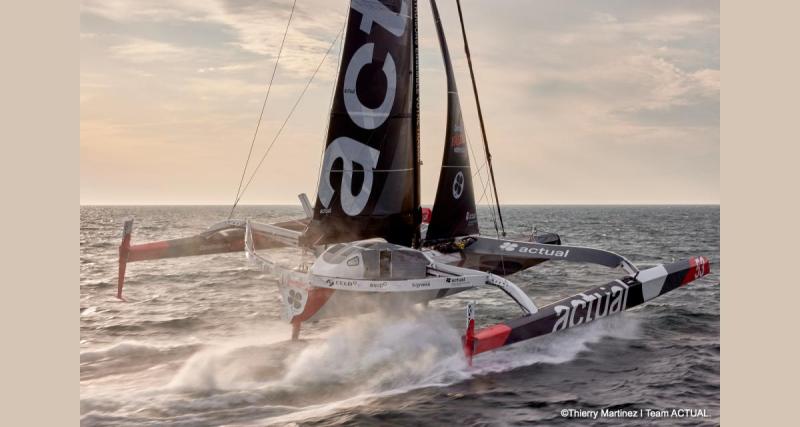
(563, 317)
(575, 304)
(350, 151)
(363, 116)
(374, 12)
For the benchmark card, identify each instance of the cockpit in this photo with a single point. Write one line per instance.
(373, 259)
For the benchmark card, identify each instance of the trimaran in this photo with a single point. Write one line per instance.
(366, 230)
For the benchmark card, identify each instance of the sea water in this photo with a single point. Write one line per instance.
(200, 341)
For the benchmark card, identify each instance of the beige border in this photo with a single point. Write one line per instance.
(759, 218)
(760, 213)
(40, 251)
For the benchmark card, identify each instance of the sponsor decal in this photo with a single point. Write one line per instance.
(427, 213)
(458, 185)
(699, 267)
(456, 280)
(294, 301)
(532, 250)
(350, 151)
(457, 142)
(508, 246)
(339, 283)
(457, 138)
(471, 216)
(583, 308)
(545, 251)
(421, 284)
(378, 285)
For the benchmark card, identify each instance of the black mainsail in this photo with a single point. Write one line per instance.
(367, 181)
(454, 212)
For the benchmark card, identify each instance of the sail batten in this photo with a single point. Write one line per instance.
(454, 212)
(367, 180)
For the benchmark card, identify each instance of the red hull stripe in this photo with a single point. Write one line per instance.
(317, 297)
(153, 249)
(183, 247)
(490, 338)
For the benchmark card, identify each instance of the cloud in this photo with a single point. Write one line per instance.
(599, 89)
(141, 50)
(258, 26)
(148, 10)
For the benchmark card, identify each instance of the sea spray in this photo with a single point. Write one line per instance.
(130, 357)
(561, 347)
(411, 368)
(243, 362)
(381, 351)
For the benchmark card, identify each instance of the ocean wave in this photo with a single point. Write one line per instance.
(130, 356)
(181, 323)
(133, 350)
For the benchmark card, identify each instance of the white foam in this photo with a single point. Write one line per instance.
(222, 367)
(122, 350)
(375, 353)
(400, 374)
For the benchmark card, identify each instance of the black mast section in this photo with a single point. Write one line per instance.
(415, 242)
(480, 116)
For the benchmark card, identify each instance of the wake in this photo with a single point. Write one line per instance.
(267, 380)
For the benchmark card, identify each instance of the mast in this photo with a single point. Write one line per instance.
(415, 241)
(480, 117)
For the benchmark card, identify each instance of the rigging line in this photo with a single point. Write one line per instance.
(480, 114)
(472, 151)
(491, 211)
(480, 177)
(483, 195)
(263, 106)
(485, 187)
(289, 116)
(478, 170)
(333, 94)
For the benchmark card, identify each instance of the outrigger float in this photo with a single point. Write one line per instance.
(368, 244)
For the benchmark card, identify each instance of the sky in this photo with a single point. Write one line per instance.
(590, 102)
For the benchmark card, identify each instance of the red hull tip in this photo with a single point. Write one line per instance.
(698, 267)
(469, 342)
